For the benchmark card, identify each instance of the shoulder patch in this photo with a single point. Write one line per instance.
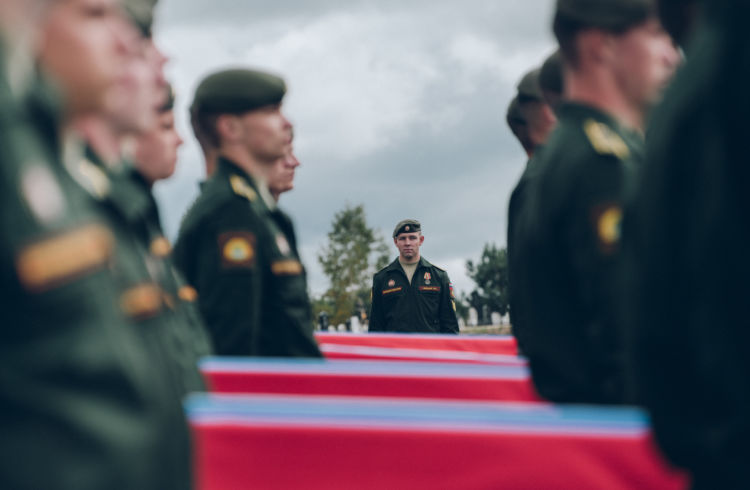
(604, 140)
(608, 220)
(49, 263)
(242, 188)
(237, 250)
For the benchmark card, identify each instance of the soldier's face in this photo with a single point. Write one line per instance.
(141, 91)
(156, 150)
(84, 47)
(645, 59)
(281, 178)
(408, 245)
(267, 133)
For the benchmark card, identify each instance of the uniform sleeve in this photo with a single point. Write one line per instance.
(223, 264)
(377, 322)
(592, 243)
(448, 320)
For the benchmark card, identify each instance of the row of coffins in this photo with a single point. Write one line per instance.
(405, 423)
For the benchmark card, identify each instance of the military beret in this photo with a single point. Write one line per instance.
(237, 91)
(169, 101)
(141, 13)
(551, 74)
(514, 117)
(407, 226)
(528, 87)
(611, 15)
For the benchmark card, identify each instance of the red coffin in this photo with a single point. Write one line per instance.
(370, 379)
(295, 445)
(484, 344)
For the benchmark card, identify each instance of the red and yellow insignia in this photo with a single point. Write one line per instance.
(391, 283)
(427, 276)
(392, 290)
(453, 295)
(407, 228)
(432, 289)
(237, 250)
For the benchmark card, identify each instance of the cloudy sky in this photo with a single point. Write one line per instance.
(397, 105)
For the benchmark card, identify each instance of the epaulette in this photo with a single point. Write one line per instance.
(242, 188)
(604, 140)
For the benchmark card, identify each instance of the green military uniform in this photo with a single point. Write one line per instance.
(83, 404)
(238, 253)
(569, 237)
(424, 305)
(160, 299)
(686, 243)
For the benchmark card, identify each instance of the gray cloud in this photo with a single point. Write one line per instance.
(397, 105)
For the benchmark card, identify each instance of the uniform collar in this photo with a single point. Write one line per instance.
(226, 168)
(396, 265)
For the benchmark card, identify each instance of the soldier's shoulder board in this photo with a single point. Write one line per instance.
(242, 188)
(605, 140)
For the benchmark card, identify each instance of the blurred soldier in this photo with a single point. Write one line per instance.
(83, 404)
(531, 119)
(617, 61)
(687, 249)
(232, 246)
(551, 80)
(411, 294)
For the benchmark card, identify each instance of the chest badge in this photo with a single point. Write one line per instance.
(391, 283)
(427, 278)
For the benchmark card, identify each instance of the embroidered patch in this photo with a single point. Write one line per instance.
(42, 193)
(242, 188)
(188, 294)
(160, 247)
(287, 268)
(608, 221)
(237, 250)
(51, 262)
(604, 140)
(434, 289)
(392, 290)
(453, 296)
(141, 301)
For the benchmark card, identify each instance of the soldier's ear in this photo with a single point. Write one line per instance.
(228, 127)
(421, 239)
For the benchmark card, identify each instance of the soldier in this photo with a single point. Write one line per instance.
(83, 403)
(551, 80)
(686, 246)
(617, 61)
(233, 247)
(531, 119)
(412, 295)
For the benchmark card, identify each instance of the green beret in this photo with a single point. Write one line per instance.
(237, 91)
(141, 13)
(407, 226)
(610, 15)
(528, 87)
(514, 117)
(169, 102)
(551, 74)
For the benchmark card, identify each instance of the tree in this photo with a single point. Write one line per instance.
(353, 254)
(490, 275)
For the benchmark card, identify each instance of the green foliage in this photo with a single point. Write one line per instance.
(491, 277)
(353, 254)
